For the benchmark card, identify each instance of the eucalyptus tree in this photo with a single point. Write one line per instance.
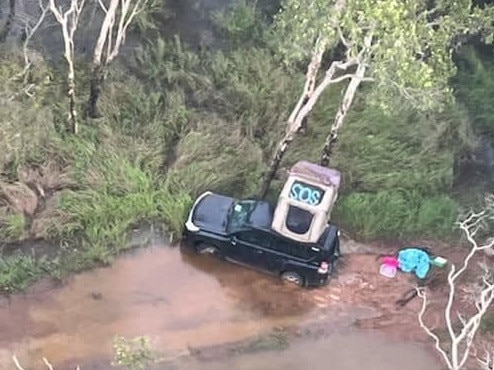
(119, 14)
(404, 47)
(69, 22)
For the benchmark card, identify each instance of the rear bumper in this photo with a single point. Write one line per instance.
(317, 280)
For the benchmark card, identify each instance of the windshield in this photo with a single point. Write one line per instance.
(239, 215)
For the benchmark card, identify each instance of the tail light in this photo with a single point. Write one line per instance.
(323, 268)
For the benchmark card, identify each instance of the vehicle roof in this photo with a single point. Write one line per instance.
(262, 216)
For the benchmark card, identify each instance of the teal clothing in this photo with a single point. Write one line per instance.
(414, 260)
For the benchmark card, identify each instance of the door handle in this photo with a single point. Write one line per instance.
(258, 251)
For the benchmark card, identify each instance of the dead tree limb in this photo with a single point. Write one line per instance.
(457, 354)
(29, 31)
(68, 22)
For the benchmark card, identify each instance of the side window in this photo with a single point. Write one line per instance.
(291, 248)
(298, 220)
(254, 237)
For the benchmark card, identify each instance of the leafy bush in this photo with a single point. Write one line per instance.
(241, 24)
(135, 354)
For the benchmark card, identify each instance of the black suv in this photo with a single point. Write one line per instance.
(240, 231)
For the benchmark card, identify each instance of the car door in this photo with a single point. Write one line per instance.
(250, 247)
(287, 254)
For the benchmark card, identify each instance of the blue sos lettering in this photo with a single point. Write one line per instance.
(306, 194)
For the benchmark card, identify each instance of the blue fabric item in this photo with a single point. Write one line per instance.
(414, 260)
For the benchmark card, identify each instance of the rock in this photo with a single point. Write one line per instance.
(20, 198)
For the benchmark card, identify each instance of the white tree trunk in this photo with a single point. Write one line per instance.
(346, 102)
(304, 106)
(68, 22)
(108, 44)
(341, 114)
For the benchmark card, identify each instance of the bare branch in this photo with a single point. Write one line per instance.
(421, 293)
(487, 361)
(48, 365)
(29, 31)
(120, 13)
(462, 341)
(350, 76)
(103, 7)
(16, 363)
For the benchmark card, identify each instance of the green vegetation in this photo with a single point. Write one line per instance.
(177, 122)
(17, 272)
(134, 354)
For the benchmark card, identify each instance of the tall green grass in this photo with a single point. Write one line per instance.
(178, 122)
(396, 214)
(18, 271)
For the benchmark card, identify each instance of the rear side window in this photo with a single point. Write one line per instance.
(254, 237)
(293, 249)
(298, 220)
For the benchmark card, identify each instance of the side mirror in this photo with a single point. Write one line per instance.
(234, 240)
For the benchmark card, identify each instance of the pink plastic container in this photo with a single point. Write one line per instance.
(388, 270)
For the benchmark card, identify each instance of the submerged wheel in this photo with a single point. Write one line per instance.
(205, 248)
(293, 278)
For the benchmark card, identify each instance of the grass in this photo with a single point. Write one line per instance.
(13, 227)
(179, 122)
(396, 214)
(18, 271)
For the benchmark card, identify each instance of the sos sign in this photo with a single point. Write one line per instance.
(306, 193)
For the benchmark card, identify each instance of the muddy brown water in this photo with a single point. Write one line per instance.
(343, 352)
(182, 301)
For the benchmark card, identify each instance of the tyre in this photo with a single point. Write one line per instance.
(293, 278)
(210, 249)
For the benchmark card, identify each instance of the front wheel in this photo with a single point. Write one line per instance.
(292, 278)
